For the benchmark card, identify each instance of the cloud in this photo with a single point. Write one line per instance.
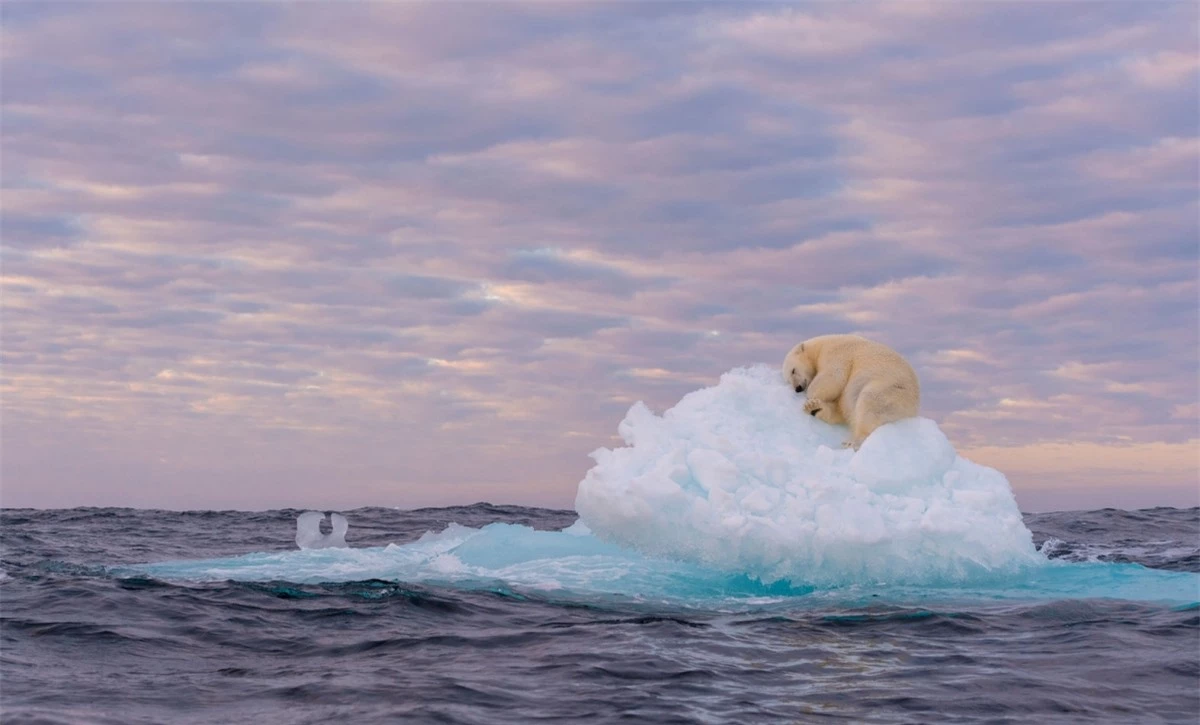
(434, 252)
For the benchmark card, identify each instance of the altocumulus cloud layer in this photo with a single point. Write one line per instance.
(339, 254)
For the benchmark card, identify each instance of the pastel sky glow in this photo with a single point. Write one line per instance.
(262, 255)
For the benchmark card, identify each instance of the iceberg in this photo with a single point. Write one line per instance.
(738, 478)
(734, 499)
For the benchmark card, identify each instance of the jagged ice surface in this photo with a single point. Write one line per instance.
(737, 477)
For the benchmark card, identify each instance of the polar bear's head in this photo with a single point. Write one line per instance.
(798, 368)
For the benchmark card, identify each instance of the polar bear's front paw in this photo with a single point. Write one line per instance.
(812, 407)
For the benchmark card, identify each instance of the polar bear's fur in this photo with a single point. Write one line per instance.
(853, 381)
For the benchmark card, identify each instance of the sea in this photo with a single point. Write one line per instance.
(125, 616)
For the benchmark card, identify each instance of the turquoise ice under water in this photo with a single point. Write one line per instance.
(735, 497)
(575, 565)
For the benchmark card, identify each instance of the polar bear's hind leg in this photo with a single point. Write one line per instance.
(878, 405)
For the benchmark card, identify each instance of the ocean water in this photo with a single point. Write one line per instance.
(731, 562)
(487, 614)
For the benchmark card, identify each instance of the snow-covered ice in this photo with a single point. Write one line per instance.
(737, 477)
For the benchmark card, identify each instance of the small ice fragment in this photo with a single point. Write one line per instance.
(308, 531)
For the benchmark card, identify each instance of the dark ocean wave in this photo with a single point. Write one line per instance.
(1161, 538)
(82, 644)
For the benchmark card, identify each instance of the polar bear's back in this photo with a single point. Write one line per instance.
(871, 363)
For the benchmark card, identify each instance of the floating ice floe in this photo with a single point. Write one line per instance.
(734, 494)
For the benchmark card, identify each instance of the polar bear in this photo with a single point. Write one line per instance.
(853, 381)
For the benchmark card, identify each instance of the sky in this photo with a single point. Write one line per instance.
(263, 255)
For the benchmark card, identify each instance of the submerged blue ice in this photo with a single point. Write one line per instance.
(574, 565)
(734, 497)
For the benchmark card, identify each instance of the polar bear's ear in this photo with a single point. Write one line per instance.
(801, 347)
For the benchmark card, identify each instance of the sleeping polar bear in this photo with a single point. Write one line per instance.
(853, 381)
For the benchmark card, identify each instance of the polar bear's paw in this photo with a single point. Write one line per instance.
(823, 410)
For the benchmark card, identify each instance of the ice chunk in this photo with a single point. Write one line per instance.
(308, 531)
(738, 478)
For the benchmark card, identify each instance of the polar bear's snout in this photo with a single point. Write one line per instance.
(798, 371)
